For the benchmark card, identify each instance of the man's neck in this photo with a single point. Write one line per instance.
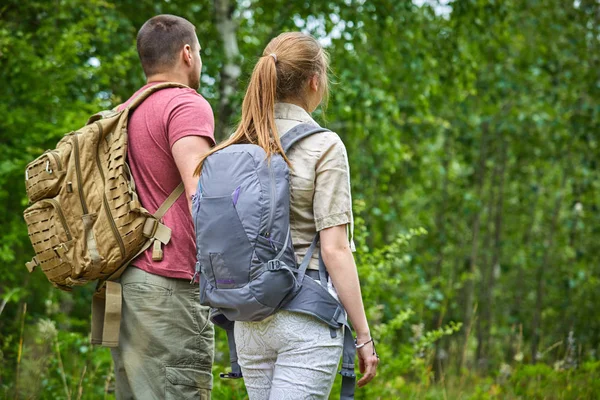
(168, 77)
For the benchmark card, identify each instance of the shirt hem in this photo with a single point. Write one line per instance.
(170, 274)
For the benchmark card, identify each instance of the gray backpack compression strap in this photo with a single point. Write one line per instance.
(347, 371)
(306, 260)
(298, 133)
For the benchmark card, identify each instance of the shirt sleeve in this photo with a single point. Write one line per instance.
(190, 115)
(332, 203)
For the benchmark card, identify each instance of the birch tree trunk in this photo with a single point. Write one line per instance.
(536, 325)
(487, 300)
(440, 223)
(470, 283)
(231, 70)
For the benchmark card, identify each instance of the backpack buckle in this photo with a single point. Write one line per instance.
(273, 265)
(347, 373)
(230, 375)
(150, 227)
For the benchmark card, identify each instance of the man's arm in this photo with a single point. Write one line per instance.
(186, 152)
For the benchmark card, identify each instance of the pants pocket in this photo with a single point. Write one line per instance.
(187, 383)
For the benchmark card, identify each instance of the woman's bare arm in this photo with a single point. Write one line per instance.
(339, 260)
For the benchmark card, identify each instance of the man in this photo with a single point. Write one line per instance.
(166, 341)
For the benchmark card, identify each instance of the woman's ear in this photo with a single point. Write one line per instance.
(314, 83)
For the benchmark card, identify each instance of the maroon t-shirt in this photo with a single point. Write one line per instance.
(162, 119)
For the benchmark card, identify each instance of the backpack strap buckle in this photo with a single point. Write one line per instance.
(230, 375)
(31, 265)
(273, 265)
(150, 227)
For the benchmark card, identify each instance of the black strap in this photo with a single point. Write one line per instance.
(236, 371)
(347, 371)
(298, 133)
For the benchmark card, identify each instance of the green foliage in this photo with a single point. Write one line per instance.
(540, 382)
(535, 382)
(60, 365)
(403, 343)
(472, 137)
(59, 361)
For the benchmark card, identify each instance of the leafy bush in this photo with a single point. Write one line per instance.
(541, 381)
(59, 364)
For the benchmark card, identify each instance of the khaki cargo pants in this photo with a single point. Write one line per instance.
(166, 343)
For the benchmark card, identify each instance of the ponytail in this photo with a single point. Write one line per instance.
(288, 61)
(258, 113)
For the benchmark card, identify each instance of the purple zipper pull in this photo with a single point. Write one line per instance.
(236, 196)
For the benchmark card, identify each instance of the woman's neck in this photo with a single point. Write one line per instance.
(296, 102)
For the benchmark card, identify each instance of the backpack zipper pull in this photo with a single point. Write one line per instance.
(196, 272)
(273, 245)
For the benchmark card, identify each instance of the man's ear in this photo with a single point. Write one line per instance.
(186, 54)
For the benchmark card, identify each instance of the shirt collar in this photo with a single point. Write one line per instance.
(292, 112)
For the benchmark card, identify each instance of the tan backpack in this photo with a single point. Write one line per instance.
(85, 221)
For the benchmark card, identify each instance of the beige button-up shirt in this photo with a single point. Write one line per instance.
(319, 181)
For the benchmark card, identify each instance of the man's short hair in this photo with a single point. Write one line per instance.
(160, 40)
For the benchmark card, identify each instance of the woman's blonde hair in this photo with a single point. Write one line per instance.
(286, 65)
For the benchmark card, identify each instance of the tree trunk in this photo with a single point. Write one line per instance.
(568, 316)
(440, 223)
(470, 283)
(520, 285)
(484, 265)
(487, 309)
(540, 275)
(231, 69)
(520, 288)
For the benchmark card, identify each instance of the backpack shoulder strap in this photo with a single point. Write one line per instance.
(169, 201)
(152, 89)
(298, 133)
(135, 102)
(162, 234)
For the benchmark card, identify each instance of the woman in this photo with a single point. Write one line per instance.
(292, 355)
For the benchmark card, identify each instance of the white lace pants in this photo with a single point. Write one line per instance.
(288, 356)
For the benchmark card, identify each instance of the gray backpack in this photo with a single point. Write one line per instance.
(246, 258)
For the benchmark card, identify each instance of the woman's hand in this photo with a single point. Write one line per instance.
(367, 362)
